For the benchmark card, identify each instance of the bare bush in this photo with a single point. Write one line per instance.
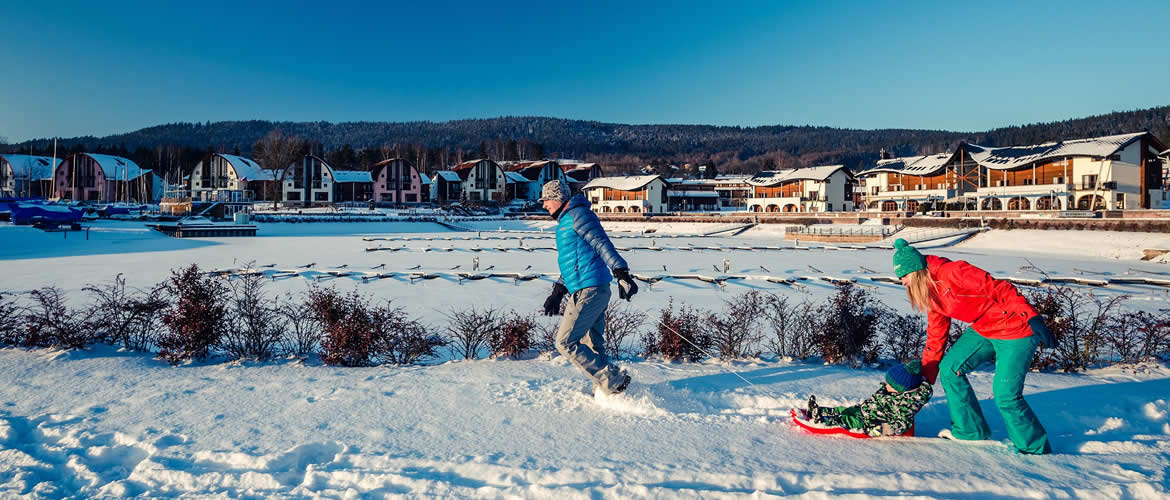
(1138, 336)
(622, 322)
(678, 336)
(514, 336)
(736, 330)
(468, 330)
(1078, 321)
(254, 326)
(196, 318)
(544, 337)
(128, 317)
(849, 334)
(11, 315)
(51, 323)
(905, 335)
(792, 326)
(357, 334)
(302, 334)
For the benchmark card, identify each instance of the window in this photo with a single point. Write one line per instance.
(1027, 181)
(1088, 181)
(320, 196)
(293, 196)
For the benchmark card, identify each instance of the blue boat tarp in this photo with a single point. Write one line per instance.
(32, 213)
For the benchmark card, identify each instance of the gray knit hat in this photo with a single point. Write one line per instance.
(555, 190)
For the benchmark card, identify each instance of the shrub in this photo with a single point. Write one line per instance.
(51, 323)
(905, 335)
(196, 318)
(255, 325)
(545, 334)
(736, 330)
(792, 326)
(127, 317)
(1078, 321)
(303, 334)
(849, 333)
(622, 322)
(679, 335)
(1138, 336)
(10, 320)
(356, 334)
(513, 337)
(469, 330)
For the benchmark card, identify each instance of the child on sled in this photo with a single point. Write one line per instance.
(889, 412)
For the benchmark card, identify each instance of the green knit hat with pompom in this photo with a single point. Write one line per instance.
(906, 258)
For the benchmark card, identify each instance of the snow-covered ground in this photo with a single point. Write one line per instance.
(107, 423)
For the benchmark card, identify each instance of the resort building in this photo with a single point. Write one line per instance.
(309, 182)
(579, 174)
(396, 181)
(352, 186)
(25, 176)
(104, 178)
(813, 189)
(721, 193)
(482, 180)
(446, 187)
(630, 194)
(905, 184)
(530, 176)
(231, 178)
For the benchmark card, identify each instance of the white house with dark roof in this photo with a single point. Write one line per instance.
(26, 176)
(906, 183)
(104, 178)
(813, 189)
(629, 194)
(308, 182)
(232, 178)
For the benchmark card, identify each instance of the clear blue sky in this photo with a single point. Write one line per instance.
(76, 68)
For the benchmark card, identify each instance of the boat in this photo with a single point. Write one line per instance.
(197, 226)
(24, 214)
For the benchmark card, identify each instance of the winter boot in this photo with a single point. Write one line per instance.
(814, 411)
(622, 386)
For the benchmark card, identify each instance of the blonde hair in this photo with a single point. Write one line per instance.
(920, 290)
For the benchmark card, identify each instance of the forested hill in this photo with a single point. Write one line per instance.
(624, 146)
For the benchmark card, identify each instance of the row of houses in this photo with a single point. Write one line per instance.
(1125, 171)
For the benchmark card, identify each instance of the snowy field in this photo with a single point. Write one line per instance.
(107, 423)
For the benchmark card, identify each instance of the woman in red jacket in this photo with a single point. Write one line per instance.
(1003, 327)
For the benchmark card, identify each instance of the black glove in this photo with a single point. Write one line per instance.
(1042, 333)
(626, 286)
(552, 305)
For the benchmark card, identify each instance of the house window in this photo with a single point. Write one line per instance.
(1088, 181)
(293, 196)
(320, 196)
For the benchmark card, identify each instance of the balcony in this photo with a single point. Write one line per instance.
(914, 194)
(1034, 189)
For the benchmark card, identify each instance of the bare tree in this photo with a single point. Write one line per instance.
(275, 153)
(469, 330)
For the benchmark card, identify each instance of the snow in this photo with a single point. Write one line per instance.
(31, 167)
(621, 183)
(101, 422)
(247, 169)
(1014, 156)
(771, 178)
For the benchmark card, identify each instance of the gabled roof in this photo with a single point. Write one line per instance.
(1019, 156)
(31, 167)
(911, 165)
(448, 176)
(515, 177)
(248, 170)
(117, 168)
(566, 167)
(578, 175)
(627, 183)
(351, 176)
(424, 180)
(774, 177)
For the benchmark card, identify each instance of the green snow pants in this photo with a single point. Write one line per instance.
(581, 336)
(1012, 358)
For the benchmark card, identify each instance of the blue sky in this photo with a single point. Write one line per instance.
(108, 67)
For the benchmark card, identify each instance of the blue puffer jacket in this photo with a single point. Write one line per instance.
(584, 253)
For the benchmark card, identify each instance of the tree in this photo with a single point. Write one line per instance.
(275, 153)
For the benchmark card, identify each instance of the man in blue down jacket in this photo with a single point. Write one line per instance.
(585, 257)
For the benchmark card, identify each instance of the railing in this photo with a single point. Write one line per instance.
(882, 231)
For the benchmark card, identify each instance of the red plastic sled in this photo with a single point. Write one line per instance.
(800, 418)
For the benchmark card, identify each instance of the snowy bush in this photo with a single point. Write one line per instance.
(514, 336)
(357, 334)
(1138, 336)
(125, 316)
(736, 331)
(1078, 322)
(849, 332)
(11, 315)
(255, 325)
(49, 322)
(904, 334)
(679, 335)
(197, 316)
(544, 336)
(302, 333)
(622, 323)
(792, 327)
(468, 330)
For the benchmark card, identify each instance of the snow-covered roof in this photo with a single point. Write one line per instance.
(773, 177)
(515, 177)
(448, 176)
(247, 170)
(351, 176)
(912, 165)
(627, 183)
(1019, 156)
(424, 180)
(31, 167)
(117, 168)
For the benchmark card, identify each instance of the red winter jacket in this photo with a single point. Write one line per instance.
(994, 308)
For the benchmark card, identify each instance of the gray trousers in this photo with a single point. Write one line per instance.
(581, 336)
